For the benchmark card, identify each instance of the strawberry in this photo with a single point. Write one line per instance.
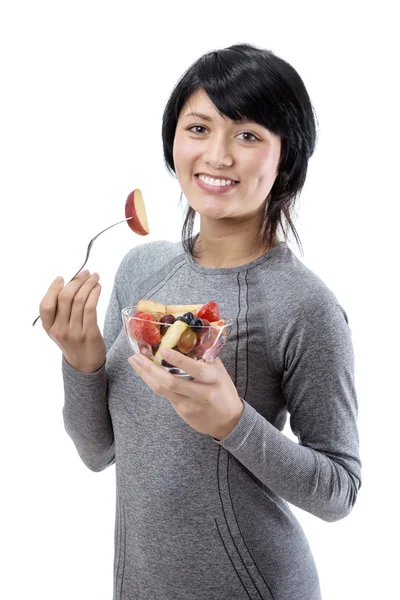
(135, 326)
(151, 334)
(209, 311)
(145, 330)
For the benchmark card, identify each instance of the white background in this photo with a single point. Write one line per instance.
(83, 88)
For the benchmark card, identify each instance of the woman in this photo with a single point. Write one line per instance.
(204, 473)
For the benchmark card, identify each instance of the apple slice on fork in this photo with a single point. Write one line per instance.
(135, 211)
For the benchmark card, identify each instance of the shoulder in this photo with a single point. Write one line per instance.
(301, 292)
(145, 258)
(304, 316)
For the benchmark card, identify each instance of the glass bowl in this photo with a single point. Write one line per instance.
(145, 337)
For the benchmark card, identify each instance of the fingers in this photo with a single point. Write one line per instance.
(80, 300)
(61, 304)
(66, 299)
(160, 381)
(201, 371)
(48, 305)
(90, 309)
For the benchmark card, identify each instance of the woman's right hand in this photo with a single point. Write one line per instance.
(69, 317)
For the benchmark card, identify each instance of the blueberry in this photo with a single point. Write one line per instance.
(188, 317)
(180, 319)
(196, 324)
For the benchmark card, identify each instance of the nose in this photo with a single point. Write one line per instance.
(217, 153)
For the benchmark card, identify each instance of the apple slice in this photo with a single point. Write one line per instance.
(150, 306)
(134, 207)
(180, 309)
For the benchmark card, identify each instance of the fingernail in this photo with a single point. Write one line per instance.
(166, 353)
(58, 280)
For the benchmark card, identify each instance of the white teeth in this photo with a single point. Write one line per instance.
(216, 182)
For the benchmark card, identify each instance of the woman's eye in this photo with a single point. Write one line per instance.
(244, 133)
(197, 127)
(248, 133)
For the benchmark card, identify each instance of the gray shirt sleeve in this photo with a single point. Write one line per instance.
(86, 416)
(313, 356)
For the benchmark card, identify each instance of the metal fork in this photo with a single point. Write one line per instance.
(88, 252)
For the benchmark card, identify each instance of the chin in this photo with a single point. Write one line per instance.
(210, 212)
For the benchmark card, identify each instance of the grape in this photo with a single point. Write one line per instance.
(207, 339)
(196, 324)
(168, 320)
(187, 341)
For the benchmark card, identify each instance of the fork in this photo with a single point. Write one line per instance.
(88, 252)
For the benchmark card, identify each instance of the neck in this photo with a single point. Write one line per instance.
(222, 245)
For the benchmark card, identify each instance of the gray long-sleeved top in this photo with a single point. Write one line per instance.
(197, 518)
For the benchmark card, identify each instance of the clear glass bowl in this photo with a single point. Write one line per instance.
(209, 342)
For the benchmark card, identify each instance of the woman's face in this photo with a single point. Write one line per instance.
(248, 152)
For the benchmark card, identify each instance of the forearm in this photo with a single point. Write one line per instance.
(305, 477)
(86, 416)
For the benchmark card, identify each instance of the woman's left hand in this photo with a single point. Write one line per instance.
(210, 404)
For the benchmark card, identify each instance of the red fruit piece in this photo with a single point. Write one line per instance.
(135, 327)
(150, 332)
(209, 311)
(145, 330)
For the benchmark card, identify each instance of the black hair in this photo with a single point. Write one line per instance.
(245, 82)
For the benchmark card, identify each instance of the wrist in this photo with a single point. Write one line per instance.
(83, 368)
(230, 426)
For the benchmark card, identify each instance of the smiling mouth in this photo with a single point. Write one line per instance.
(197, 175)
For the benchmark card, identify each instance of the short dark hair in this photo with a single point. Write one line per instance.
(245, 82)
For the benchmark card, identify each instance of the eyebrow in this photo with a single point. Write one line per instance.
(207, 118)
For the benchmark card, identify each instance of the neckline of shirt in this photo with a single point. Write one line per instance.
(273, 252)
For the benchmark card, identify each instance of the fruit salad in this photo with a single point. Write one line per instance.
(196, 330)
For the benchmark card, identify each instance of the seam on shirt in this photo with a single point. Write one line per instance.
(162, 283)
(124, 552)
(240, 531)
(226, 550)
(237, 331)
(119, 549)
(122, 541)
(247, 336)
(229, 530)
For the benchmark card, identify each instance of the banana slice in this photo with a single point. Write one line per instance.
(170, 339)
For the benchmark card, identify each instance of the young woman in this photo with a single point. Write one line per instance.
(204, 473)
